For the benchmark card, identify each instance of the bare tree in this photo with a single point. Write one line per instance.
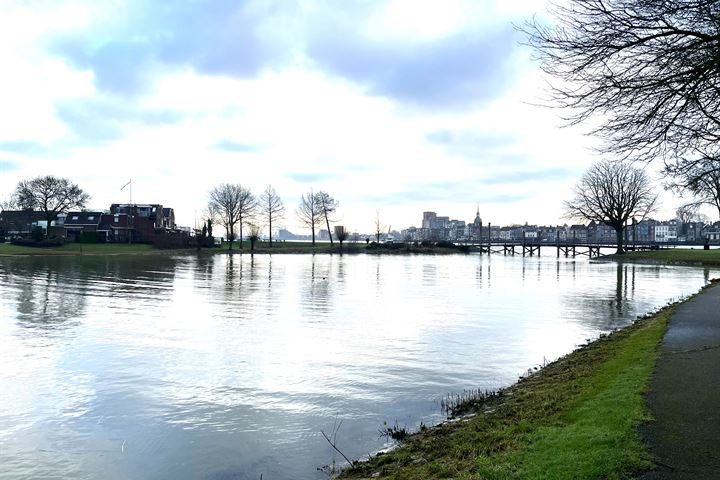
(341, 234)
(51, 195)
(379, 227)
(271, 208)
(247, 209)
(9, 204)
(327, 205)
(612, 193)
(686, 213)
(648, 70)
(702, 182)
(225, 204)
(309, 213)
(254, 231)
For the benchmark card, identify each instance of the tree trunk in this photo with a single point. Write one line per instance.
(312, 228)
(270, 221)
(327, 222)
(240, 239)
(230, 238)
(619, 235)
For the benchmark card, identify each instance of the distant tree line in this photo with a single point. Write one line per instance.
(234, 206)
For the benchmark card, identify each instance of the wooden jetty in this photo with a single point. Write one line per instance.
(574, 249)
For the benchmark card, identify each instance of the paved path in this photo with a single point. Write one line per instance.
(684, 394)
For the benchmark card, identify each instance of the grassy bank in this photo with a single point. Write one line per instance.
(675, 256)
(577, 418)
(78, 249)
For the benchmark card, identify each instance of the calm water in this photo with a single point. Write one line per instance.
(229, 367)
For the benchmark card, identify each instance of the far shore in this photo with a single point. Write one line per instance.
(77, 249)
(675, 256)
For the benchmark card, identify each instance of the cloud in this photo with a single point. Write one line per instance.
(8, 165)
(232, 146)
(312, 177)
(23, 147)
(224, 37)
(461, 70)
(465, 191)
(482, 147)
(524, 176)
(100, 118)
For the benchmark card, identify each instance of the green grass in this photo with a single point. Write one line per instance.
(577, 418)
(674, 255)
(77, 249)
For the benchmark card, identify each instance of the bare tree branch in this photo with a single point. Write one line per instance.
(648, 70)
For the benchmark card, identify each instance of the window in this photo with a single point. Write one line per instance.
(116, 219)
(74, 217)
(91, 218)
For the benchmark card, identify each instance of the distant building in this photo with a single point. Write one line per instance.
(19, 222)
(429, 220)
(76, 223)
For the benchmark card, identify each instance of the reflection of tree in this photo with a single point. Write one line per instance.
(340, 275)
(317, 284)
(603, 311)
(52, 293)
(134, 276)
(204, 266)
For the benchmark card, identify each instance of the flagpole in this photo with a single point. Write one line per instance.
(128, 184)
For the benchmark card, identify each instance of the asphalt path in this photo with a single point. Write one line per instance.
(684, 396)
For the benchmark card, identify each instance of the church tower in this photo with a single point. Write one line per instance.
(477, 224)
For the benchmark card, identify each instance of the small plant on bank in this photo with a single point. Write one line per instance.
(396, 432)
(469, 401)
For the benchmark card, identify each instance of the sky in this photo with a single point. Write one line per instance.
(393, 107)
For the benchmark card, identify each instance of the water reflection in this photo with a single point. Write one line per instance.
(318, 286)
(228, 366)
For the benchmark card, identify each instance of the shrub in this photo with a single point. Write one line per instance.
(88, 237)
(37, 234)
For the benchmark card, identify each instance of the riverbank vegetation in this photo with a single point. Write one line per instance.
(674, 256)
(577, 418)
(78, 249)
(260, 247)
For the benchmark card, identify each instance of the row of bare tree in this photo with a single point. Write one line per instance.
(233, 205)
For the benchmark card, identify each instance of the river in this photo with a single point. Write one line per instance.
(229, 367)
